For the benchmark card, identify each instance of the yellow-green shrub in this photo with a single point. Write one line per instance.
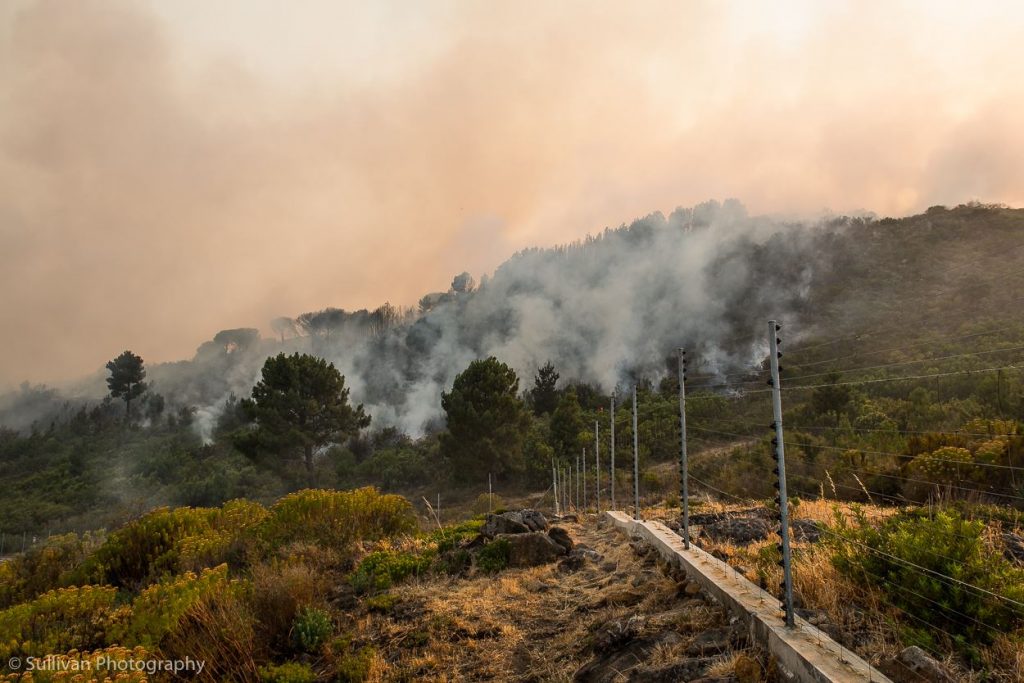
(156, 611)
(43, 568)
(337, 517)
(58, 621)
(147, 548)
(223, 541)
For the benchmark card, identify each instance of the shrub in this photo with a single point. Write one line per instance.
(487, 503)
(223, 542)
(383, 603)
(311, 628)
(354, 666)
(58, 621)
(907, 556)
(146, 548)
(382, 569)
(279, 590)
(452, 536)
(220, 629)
(290, 672)
(494, 556)
(156, 611)
(337, 517)
(43, 568)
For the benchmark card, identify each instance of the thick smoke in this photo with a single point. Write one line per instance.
(606, 311)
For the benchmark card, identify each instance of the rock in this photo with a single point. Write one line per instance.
(613, 633)
(561, 537)
(609, 664)
(710, 642)
(691, 589)
(531, 549)
(685, 670)
(913, 665)
(747, 669)
(504, 523)
(1013, 547)
(741, 530)
(609, 566)
(623, 597)
(573, 560)
(534, 520)
(805, 530)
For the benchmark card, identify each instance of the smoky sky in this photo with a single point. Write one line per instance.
(171, 169)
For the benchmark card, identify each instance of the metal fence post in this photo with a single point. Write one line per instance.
(612, 445)
(597, 463)
(780, 470)
(636, 463)
(684, 481)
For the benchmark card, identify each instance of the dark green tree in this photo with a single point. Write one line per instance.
(126, 380)
(300, 405)
(832, 397)
(544, 395)
(487, 422)
(567, 427)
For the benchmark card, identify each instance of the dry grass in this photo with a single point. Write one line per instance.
(529, 624)
(851, 606)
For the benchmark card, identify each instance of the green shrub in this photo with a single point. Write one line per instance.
(382, 569)
(454, 562)
(290, 672)
(354, 667)
(494, 556)
(452, 536)
(383, 603)
(907, 557)
(312, 626)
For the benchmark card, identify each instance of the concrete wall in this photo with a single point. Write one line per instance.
(804, 652)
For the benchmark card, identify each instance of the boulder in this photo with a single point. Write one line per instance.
(1013, 547)
(534, 520)
(561, 537)
(806, 530)
(741, 530)
(505, 523)
(531, 548)
(914, 665)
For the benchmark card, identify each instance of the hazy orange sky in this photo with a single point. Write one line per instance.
(169, 169)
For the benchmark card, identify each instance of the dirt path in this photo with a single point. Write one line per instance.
(612, 615)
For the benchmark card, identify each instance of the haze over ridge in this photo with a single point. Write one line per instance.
(158, 183)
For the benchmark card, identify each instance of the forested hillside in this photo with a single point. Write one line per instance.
(860, 297)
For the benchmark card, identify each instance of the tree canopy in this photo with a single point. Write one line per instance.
(300, 405)
(126, 379)
(487, 421)
(544, 394)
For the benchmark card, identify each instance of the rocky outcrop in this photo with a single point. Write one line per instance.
(531, 548)
(514, 522)
(561, 537)
(914, 665)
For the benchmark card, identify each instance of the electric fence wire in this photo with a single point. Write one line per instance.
(945, 579)
(965, 465)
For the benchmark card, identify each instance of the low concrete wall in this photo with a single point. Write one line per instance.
(805, 652)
